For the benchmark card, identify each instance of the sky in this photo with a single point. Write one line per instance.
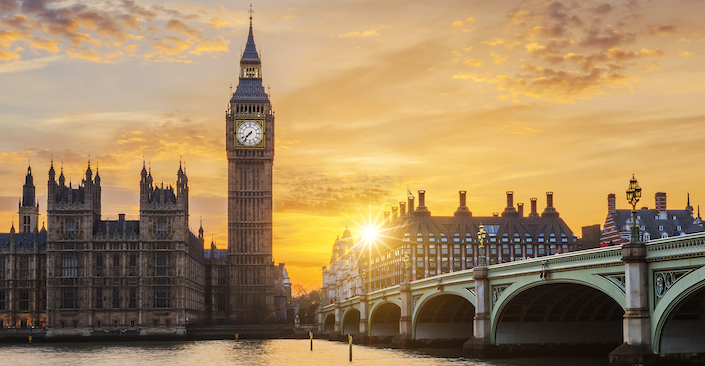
(371, 98)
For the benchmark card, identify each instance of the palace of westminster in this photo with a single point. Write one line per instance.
(81, 274)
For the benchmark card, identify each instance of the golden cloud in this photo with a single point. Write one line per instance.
(49, 45)
(217, 23)
(686, 54)
(473, 62)
(372, 32)
(210, 46)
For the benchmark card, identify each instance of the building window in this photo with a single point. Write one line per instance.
(529, 250)
(2, 300)
(541, 249)
(99, 265)
(505, 249)
(116, 297)
(99, 299)
(161, 226)
(132, 303)
(69, 265)
(70, 225)
(456, 249)
(432, 250)
(2, 268)
(24, 300)
(161, 264)
(161, 297)
(444, 249)
(116, 265)
(69, 297)
(493, 249)
(517, 250)
(24, 268)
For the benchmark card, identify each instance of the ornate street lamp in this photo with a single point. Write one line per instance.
(633, 195)
(481, 235)
(405, 260)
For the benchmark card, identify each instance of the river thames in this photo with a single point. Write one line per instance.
(250, 352)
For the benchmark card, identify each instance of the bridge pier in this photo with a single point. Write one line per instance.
(404, 338)
(480, 345)
(636, 326)
(336, 326)
(364, 311)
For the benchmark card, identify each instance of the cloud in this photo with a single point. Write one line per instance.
(106, 31)
(181, 28)
(28, 65)
(686, 54)
(498, 59)
(473, 62)
(210, 46)
(49, 45)
(662, 29)
(217, 23)
(372, 32)
(607, 38)
(602, 9)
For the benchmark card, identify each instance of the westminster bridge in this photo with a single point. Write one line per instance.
(648, 297)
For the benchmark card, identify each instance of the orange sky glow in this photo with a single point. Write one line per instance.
(371, 98)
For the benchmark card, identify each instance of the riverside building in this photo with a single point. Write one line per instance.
(434, 245)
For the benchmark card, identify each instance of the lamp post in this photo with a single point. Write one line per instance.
(633, 195)
(481, 235)
(405, 260)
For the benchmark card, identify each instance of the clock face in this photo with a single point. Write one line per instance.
(249, 133)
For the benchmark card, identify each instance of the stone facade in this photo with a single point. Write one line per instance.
(145, 275)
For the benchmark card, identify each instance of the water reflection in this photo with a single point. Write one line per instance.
(247, 352)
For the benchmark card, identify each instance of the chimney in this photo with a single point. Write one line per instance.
(510, 210)
(121, 217)
(520, 208)
(611, 205)
(462, 208)
(533, 207)
(661, 205)
(386, 216)
(660, 202)
(550, 211)
(422, 210)
(395, 214)
(411, 203)
(402, 208)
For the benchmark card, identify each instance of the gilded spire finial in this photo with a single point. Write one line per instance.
(251, 12)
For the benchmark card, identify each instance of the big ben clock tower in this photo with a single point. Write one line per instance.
(249, 126)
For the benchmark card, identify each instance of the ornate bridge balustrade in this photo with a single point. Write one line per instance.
(650, 298)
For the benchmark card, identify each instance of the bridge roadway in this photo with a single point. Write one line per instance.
(648, 297)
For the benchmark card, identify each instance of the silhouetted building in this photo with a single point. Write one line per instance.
(590, 237)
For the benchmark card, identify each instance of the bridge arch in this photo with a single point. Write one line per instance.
(384, 319)
(351, 322)
(678, 320)
(329, 324)
(444, 315)
(565, 310)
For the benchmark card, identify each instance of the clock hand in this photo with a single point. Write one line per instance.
(248, 135)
